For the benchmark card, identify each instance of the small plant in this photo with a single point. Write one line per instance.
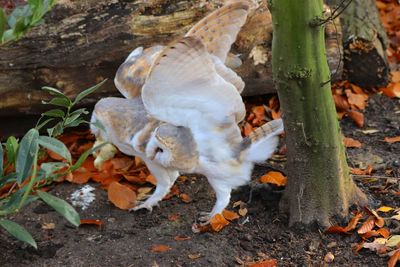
(22, 18)
(19, 164)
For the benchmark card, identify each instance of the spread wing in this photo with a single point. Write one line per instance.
(219, 29)
(184, 89)
(131, 75)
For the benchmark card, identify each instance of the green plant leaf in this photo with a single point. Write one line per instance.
(56, 130)
(18, 232)
(1, 159)
(55, 113)
(11, 149)
(61, 206)
(3, 23)
(26, 154)
(50, 167)
(87, 92)
(59, 101)
(56, 146)
(79, 112)
(9, 178)
(84, 156)
(54, 91)
(41, 125)
(76, 122)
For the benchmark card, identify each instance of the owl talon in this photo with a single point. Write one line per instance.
(205, 218)
(142, 206)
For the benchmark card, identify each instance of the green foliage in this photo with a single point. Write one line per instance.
(19, 162)
(22, 18)
(67, 117)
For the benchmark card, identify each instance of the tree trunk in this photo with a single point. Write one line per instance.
(319, 186)
(83, 42)
(364, 42)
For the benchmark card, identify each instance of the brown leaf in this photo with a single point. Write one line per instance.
(218, 222)
(242, 212)
(48, 226)
(173, 217)
(377, 245)
(366, 171)
(80, 176)
(394, 259)
(395, 76)
(350, 142)
(345, 230)
(121, 196)
(264, 263)
(392, 139)
(358, 247)
(185, 198)
(393, 90)
(353, 222)
(151, 179)
(273, 177)
(194, 256)
(181, 238)
(341, 102)
(336, 229)
(160, 248)
(367, 226)
(379, 221)
(230, 215)
(97, 222)
(357, 117)
(357, 100)
(384, 232)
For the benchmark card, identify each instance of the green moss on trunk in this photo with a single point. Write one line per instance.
(319, 183)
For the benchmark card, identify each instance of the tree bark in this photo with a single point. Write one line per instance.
(364, 43)
(83, 42)
(319, 186)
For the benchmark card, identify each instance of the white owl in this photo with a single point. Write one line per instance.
(183, 116)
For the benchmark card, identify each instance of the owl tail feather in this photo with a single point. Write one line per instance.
(261, 144)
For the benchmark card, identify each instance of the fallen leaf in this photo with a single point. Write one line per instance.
(151, 179)
(350, 142)
(379, 221)
(370, 131)
(377, 245)
(230, 215)
(329, 257)
(395, 76)
(393, 241)
(121, 196)
(357, 117)
(48, 226)
(341, 102)
(357, 100)
(218, 222)
(392, 139)
(385, 209)
(345, 230)
(384, 232)
(194, 256)
(185, 198)
(160, 248)
(358, 247)
(97, 222)
(367, 226)
(394, 259)
(143, 192)
(366, 171)
(181, 238)
(242, 212)
(238, 203)
(393, 90)
(173, 217)
(79, 176)
(273, 177)
(264, 263)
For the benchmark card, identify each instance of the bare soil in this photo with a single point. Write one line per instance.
(126, 238)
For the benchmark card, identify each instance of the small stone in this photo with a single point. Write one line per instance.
(329, 257)
(332, 244)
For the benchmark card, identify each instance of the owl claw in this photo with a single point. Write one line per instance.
(142, 205)
(205, 218)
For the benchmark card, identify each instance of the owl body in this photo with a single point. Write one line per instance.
(182, 110)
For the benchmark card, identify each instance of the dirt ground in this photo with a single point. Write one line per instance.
(127, 238)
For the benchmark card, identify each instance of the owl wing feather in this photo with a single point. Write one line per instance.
(184, 89)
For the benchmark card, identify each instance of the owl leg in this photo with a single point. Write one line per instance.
(165, 180)
(223, 195)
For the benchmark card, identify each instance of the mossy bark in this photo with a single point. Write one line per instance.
(319, 186)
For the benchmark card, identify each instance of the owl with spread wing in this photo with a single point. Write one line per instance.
(182, 111)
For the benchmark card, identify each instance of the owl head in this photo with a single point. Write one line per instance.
(173, 147)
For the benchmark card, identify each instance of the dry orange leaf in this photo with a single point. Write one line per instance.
(173, 217)
(273, 177)
(160, 248)
(350, 142)
(151, 179)
(97, 222)
(395, 76)
(264, 263)
(392, 139)
(394, 258)
(230, 215)
(393, 90)
(185, 198)
(379, 221)
(242, 212)
(121, 196)
(357, 100)
(367, 226)
(218, 222)
(357, 117)
(384, 232)
(341, 102)
(350, 226)
(181, 238)
(366, 171)
(79, 176)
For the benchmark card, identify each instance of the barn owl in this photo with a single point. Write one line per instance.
(183, 116)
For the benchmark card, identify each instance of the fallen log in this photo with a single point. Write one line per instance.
(84, 42)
